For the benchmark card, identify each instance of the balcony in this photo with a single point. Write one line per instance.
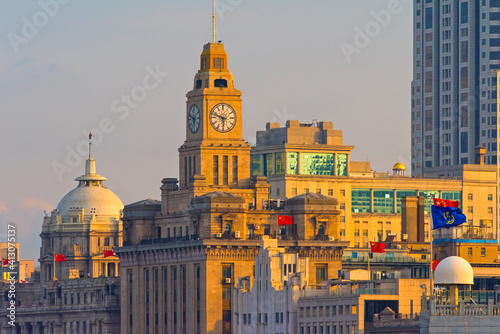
(154, 241)
(463, 309)
(383, 260)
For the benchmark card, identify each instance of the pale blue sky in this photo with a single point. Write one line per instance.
(285, 57)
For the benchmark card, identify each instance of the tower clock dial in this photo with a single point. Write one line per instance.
(194, 118)
(223, 117)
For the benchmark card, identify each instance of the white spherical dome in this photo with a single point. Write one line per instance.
(92, 199)
(454, 270)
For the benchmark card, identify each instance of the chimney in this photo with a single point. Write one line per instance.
(412, 219)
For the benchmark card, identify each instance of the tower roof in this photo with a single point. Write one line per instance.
(399, 166)
(90, 194)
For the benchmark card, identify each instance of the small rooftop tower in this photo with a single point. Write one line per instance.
(398, 169)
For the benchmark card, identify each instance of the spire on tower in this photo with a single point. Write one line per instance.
(90, 145)
(90, 163)
(214, 22)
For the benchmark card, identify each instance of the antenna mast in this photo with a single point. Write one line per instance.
(214, 23)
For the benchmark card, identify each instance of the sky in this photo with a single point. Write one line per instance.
(66, 67)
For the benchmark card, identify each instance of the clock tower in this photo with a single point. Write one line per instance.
(214, 145)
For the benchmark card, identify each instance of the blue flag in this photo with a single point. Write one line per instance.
(446, 217)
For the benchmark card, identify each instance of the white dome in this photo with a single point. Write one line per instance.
(453, 270)
(98, 200)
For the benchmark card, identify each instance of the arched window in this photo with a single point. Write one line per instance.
(227, 229)
(220, 83)
(321, 230)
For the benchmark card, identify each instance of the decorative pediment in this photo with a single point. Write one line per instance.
(47, 257)
(228, 216)
(322, 218)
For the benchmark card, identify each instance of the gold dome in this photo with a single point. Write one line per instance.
(399, 166)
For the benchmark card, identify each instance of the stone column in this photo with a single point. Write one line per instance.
(371, 201)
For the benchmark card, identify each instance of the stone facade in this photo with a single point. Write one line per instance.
(88, 305)
(82, 293)
(182, 256)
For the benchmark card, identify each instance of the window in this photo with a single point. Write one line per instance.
(470, 197)
(321, 273)
(361, 200)
(221, 83)
(330, 192)
(321, 230)
(483, 251)
(470, 209)
(216, 169)
(316, 163)
(219, 63)
(490, 197)
(428, 18)
(279, 163)
(464, 12)
(225, 179)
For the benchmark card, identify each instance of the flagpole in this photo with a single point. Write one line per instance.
(369, 272)
(54, 277)
(432, 258)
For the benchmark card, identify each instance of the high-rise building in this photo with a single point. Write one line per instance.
(454, 88)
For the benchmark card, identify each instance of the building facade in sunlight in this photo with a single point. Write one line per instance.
(78, 288)
(183, 254)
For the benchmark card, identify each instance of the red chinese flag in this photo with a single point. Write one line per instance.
(285, 220)
(434, 264)
(108, 253)
(377, 247)
(446, 203)
(60, 258)
(5, 262)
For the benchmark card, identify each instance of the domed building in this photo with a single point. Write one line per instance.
(398, 169)
(86, 223)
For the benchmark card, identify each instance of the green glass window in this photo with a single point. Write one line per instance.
(360, 200)
(341, 164)
(383, 201)
(268, 164)
(428, 194)
(316, 164)
(292, 163)
(255, 164)
(452, 195)
(400, 194)
(279, 163)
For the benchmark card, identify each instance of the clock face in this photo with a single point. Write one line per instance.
(223, 117)
(194, 118)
